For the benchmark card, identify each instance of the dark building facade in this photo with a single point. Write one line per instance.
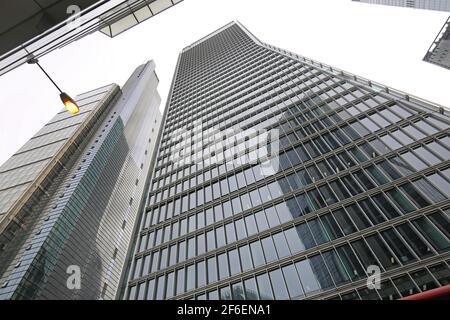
(70, 196)
(33, 28)
(359, 182)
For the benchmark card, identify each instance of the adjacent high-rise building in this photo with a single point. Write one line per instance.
(278, 177)
(440, 5)
(70, 196)
(439, 51)
(33, 28)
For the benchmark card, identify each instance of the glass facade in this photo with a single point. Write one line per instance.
(78, 211)
(438, 51)
(362, 180)
(440, 5)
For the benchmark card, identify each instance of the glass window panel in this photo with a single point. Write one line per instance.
(388, 291)
(414, 195)
(305, 236)
(251, 225)
(318, 231)
(442, 222)
(397, 246)
(261, 221)
(223, 266)
(423, 279)
(251, 290)
(337, 269)
(405, 286)
(246, 258)
(278, 285)
(281, 245)
(364, 253)
(212, 270)
(401, 201)
(417, 244)
(191, 281)
(350, 262)
(321, 272)
(442, 273)
(432, 234)
(385, 206)
(293, 282)
(371, 211)
(331, 226)
(235, 265)
(238, 291)
(269, 249)
(384, 255)
(257, 254)
(358, 217)
(307, 276)
(344, 221)
(265, 289)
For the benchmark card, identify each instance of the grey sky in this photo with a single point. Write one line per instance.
(384, 44)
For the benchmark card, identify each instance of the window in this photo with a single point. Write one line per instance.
(269, 249)
(251, 290)
(337, 269)
(364, 253)
(397, 246)
(350, 262)
(417, 244)
(212, 270)
(281, 245)
(293, 282)
(307, 276)
(358, 217)
(385, 206)
(265, 289)
(257, 254)
(383, 254)
(246, 258)
(431, 234)
(305, 236)
(371, 211)
(235, 265)
(279, 287)
(293, 240)
(344, 221)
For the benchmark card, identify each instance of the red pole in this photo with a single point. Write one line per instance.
(430, 294)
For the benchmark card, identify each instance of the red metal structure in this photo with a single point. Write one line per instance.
(441, 293)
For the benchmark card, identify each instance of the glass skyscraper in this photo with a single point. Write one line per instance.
(359, 182)
(440, 5)
(439, 51)
(70, 196)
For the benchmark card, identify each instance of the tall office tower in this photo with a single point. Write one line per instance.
(360, 182)
(440, 5)
(70, 196)
(439, 51)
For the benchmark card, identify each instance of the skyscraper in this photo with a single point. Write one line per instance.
(439, 51)
(357, 185)
(70, 196)
(440, 5)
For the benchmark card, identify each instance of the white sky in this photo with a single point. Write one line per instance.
(382, 43)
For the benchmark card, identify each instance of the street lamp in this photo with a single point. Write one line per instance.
(68, 102)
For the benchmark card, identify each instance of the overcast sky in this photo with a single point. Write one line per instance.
(382, 43)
